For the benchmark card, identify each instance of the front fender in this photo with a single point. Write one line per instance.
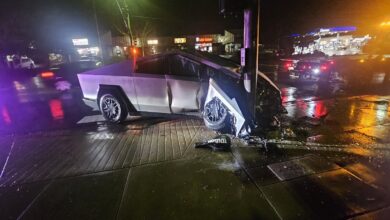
(215, 91)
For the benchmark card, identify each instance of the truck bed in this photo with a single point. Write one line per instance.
(117, 74)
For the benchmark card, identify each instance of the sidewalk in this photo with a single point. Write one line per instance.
(150, 170)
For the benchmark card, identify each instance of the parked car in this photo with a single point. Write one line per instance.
(64, 76)
(181, 83)
(314, 70)
(23, 63)
(285, 67)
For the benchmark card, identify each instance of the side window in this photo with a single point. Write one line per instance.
(181, 66)
(155, 66)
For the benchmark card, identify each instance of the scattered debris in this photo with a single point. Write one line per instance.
(219, 143)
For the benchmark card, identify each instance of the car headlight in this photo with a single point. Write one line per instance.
(316, 71)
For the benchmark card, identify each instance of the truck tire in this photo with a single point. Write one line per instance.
(216, 116)
(113, 107)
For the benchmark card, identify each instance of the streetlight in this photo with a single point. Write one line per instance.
(385, 24)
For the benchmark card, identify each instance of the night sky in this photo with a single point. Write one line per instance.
(56, 21)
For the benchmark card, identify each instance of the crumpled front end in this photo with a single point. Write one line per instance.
(236, 117)
(228, 103)
(268, 106)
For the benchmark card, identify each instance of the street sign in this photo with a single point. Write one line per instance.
(80, 42)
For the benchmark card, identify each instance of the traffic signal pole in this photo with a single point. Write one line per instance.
(250, 51)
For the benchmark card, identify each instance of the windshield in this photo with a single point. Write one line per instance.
(194, 109)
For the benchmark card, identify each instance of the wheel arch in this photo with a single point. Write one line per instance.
(117, 90)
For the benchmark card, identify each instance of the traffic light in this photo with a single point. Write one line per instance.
(134, 51)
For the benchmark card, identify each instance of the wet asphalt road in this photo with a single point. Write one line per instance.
(29, 104)
(60, 161)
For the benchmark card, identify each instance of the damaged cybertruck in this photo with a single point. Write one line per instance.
(182, 83)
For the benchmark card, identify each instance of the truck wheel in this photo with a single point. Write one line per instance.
(216, 115)
(113, 108)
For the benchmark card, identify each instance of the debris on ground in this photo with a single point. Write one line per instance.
(219, 143)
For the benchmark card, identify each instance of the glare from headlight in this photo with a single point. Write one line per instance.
(316, 71)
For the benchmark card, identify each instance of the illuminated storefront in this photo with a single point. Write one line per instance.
(228, 42)
(83, 48)
(204, 43)
(180, 40)
(331, 41)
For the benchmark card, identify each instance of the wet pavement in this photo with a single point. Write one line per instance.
(59, 160)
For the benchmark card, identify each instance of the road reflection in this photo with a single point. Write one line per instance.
(29, 105)
(56, 110)
(5, 115)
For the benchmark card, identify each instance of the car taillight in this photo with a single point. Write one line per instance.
(331, 62)
(47, 75)
(324, 67)
(288, 65)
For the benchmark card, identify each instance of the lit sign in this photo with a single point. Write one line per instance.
(152, 42)
(180, 40)
(204, 39)
(80, 42)
(88, 51)
(324, 30)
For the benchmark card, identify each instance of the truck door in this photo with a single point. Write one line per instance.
(184, 84)
(151, 86)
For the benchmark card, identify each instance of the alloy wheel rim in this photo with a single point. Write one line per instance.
(111, 108)
(215, 111)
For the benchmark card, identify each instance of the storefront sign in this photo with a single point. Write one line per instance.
(204, 39)
(152, 42)
(80, 42)
(180, 40)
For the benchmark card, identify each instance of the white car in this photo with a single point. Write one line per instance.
(24, 63)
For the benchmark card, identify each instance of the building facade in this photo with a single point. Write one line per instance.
(226, 43)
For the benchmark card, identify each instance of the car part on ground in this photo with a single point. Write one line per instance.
(218, 143)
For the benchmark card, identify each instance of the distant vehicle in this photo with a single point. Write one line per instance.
(181, 83)
(317, 70)
(285, 67)
(64, 76)
(23, 63)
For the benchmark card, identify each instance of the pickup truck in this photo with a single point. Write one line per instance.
(183, 83)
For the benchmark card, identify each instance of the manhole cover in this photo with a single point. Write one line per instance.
(301, 167)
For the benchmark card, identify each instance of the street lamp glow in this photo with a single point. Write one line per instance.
(385, 23)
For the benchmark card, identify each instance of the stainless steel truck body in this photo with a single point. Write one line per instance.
(177, 83)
